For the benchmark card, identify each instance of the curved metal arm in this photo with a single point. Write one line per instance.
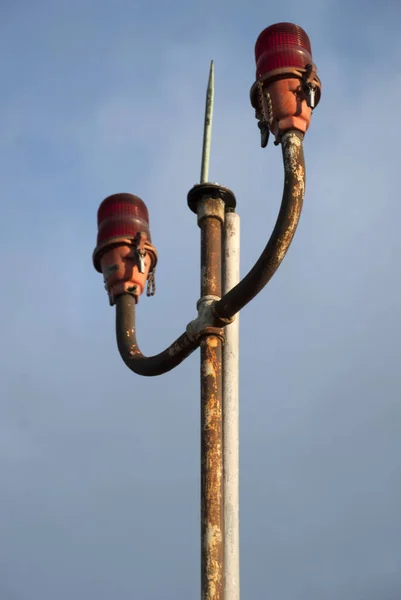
(283, 233)
(244, 291)
(130, 353)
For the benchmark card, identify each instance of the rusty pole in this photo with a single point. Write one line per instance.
(210, 220)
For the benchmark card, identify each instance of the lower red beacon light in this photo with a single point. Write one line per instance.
(124, 252)
(121, 215)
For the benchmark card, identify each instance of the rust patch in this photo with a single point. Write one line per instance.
(213, 342)
(211, 237)
(212, 469)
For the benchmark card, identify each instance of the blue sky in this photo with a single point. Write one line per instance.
(100, 468)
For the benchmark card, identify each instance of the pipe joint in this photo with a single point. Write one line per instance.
(207, 322)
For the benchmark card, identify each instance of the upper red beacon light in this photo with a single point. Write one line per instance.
(282, 45)
(287, 88)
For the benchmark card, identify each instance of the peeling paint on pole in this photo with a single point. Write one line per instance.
(211, 469)
(210, 220)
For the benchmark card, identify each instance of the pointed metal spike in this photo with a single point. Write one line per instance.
(207, 130)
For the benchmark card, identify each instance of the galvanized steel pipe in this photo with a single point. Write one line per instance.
(231, 275)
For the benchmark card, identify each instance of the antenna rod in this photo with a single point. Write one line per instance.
(207, 131)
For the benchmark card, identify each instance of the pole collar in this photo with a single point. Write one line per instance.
(207, 322)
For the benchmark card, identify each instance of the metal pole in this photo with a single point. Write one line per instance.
(210, 220)
(231, 276)
(207, 130)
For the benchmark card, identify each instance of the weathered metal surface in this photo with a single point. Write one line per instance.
(283, 233)
(210, 219)
(211, 470)
(129, 349)
(210, 256)
(205, 322)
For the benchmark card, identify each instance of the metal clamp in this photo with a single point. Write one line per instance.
(139, 242)
(264, 114)
(207, 322)
(309, 85)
